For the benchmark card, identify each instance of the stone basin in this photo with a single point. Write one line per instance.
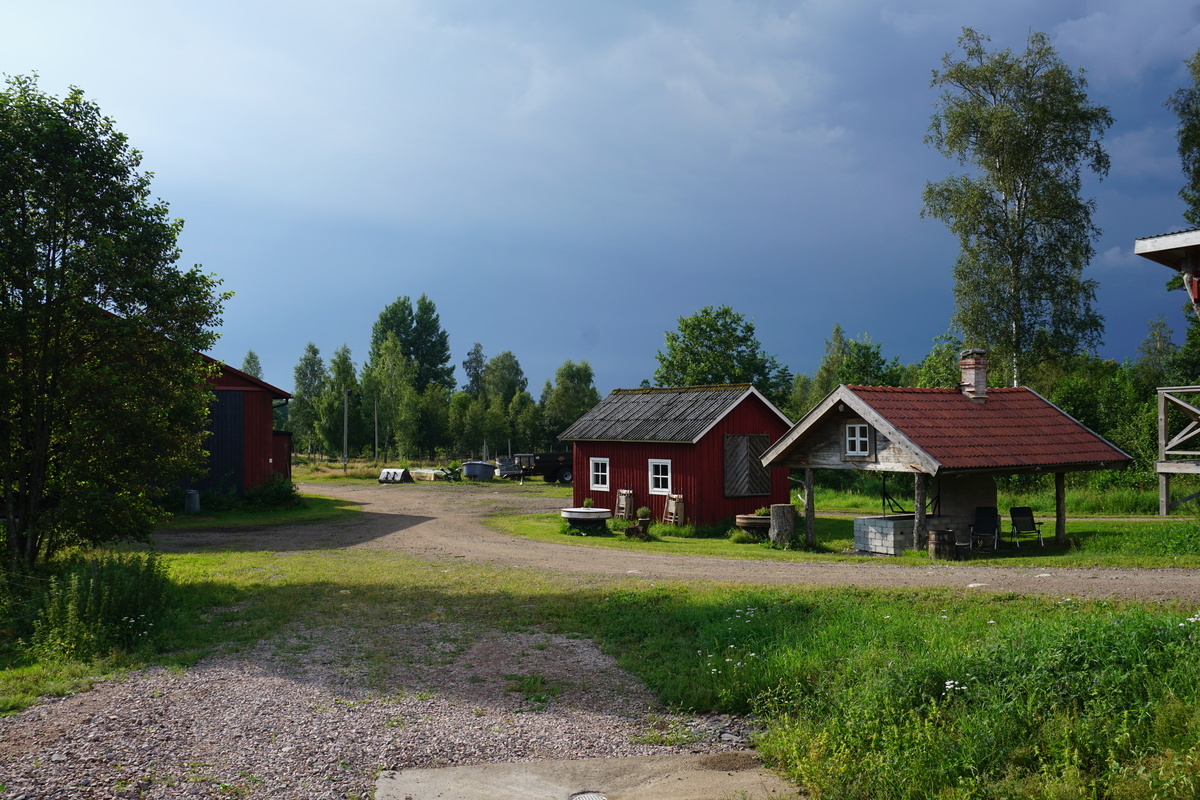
(586, 514)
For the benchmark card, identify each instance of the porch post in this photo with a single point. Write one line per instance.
(1060, 508)
(810, 510)
(920, 523)
(1164, 480)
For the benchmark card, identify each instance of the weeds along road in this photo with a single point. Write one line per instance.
(442, 523)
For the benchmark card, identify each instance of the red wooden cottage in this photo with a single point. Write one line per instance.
(244, 450)
(701, 443)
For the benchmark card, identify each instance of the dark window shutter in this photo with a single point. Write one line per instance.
(744, 473)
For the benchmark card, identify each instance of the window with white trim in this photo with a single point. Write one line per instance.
(660, 476)
(598, 468)
(858, 440)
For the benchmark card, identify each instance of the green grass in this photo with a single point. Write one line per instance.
(316, 509)
(1153, 542)
(862, 694)
(1115, 501)
(1061, 698)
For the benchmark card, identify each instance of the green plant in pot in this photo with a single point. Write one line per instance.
(643, 514)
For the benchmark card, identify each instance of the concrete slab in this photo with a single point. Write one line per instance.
(714, 776)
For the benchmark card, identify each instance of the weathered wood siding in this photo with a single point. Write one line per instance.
(697, 471)
(826, 449)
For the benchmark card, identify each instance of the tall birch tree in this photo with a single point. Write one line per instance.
(1023, 125)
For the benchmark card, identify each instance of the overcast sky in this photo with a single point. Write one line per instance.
(566, 179)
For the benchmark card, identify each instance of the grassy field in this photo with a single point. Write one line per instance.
(862, 694)
(1151, 542)
(316, 509)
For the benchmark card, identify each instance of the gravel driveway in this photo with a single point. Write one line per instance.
(294, 717)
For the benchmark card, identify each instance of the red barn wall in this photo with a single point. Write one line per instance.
(697, 471)
(260, 449)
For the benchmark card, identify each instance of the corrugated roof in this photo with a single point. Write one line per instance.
(1015, 427)
(676, 414)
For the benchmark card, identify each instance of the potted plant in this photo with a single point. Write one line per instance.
(642, 529)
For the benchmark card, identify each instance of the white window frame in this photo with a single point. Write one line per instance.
(605, 474)
(660, 483)
(857, 440)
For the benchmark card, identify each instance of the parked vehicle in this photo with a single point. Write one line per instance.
(551, 466)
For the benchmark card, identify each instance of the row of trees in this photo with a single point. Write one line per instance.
(403, 400)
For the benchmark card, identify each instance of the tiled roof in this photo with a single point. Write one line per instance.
(679, 414)
(1015, 427)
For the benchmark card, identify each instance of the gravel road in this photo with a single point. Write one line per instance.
(295, 717)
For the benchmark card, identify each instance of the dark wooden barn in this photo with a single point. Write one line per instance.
(701, 443)
(244, 449)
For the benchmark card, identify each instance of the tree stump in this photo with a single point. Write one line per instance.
(783, 524)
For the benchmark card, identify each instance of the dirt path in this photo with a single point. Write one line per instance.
(441, 523)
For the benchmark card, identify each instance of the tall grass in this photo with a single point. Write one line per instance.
(869, 695)
(1080, 501)
(94, 605)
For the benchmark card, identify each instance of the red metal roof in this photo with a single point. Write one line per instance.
(1014, 427)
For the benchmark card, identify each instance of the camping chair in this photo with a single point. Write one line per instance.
(625, 504)
(986, 528)
(1023, 522)
(673, 510)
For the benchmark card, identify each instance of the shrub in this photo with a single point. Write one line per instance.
(95, 605)
(276, 492)
(643, 512)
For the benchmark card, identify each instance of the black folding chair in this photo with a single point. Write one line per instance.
(986, 527)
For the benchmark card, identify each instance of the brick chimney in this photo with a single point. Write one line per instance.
(974, 368)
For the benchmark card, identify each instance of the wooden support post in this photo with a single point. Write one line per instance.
(810, 510)
(1060, 508)
(920, 523)
(1164, 481)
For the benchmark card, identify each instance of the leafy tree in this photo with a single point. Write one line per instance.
(390, 399)
(572, 395)
(717, 345)
(429, 347)
(422, 340)
(475, 420)
(433, 424)
(395, 318)
(251, 365)
(864, 365)
(310, 377)
(1156, 354)
(1186, 105)
(103, 393)
(526, 426)
(1024, 124)
(825, 379)
(939, 369)
(806, 391)
(473, 368)
(341, 397)
(503, 378)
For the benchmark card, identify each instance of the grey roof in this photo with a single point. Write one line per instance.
(677, 414)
